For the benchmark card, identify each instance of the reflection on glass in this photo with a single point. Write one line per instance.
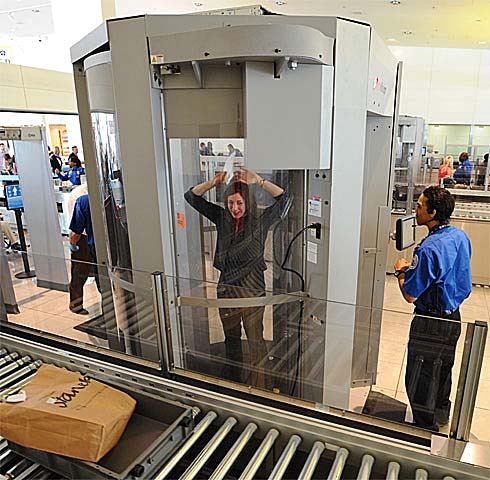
(112, 188)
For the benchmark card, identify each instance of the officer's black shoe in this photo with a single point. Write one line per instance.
(442, 415)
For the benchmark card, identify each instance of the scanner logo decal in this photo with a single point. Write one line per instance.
(379, 85)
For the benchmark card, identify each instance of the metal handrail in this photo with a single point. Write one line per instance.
(469, 376)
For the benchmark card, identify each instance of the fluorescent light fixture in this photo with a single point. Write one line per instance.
(197, 4)
(280, 2)
(482, 43)
(407, 32)
(391, 39)
(395, 2)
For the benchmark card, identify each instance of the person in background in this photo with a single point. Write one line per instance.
(82, 247)
(202, 148)
(74, 155)
(75, 172)
(7, 231)
(3, 151)
(55, 159)
(234, 152)
(239, 256)
(437, 282)
(9, 165)
(446, 169)
(463, 172)
(209, 149)
(481, 170)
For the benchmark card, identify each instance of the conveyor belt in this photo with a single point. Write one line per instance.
(221, 447)
(13, 466)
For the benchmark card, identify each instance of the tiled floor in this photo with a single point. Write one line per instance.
(47, 310)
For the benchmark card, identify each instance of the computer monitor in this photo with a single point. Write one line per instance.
(405, 232)
(13, 195)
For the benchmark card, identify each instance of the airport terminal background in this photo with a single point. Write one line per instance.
(443, 112)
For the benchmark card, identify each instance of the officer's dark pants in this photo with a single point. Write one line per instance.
(431, 352)
(81, 268)
(253, 285)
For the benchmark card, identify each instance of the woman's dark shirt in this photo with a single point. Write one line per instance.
(238, 252)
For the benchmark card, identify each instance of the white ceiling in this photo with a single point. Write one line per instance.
(433, 23)
(40, 32)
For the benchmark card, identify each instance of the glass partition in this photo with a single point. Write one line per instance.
(102, 292)
(413, 380)
(227, 333)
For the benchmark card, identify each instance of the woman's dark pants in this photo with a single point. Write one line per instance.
(253, 285)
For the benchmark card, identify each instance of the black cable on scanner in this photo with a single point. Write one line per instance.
(317, 226)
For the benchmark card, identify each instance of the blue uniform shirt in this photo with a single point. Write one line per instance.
(73, 175)
(81, 220)
(439, 276)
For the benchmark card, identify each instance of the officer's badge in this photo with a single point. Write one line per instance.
(415, 262)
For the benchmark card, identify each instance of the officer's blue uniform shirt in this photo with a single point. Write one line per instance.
(73, 175)
(439, 276)
(81, 219)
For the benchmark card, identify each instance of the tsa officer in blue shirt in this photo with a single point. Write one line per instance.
(75, 172)
(437, 281)
(82, 246)
(463, 172)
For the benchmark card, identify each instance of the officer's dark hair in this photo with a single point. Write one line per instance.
(463, 156)
(440, 200)
(485, 158)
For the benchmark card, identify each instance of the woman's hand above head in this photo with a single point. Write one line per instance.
(247, 176)
(218, 178)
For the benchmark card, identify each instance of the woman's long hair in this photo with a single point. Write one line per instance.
(247, 194)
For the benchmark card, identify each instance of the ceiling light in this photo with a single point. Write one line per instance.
(395, 2)
(280, 2)
(36, 10)
(197, 4)
(482, 43)
(407, 32)
(391, 39)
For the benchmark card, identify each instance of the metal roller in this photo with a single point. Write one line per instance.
(12, 365)
(259, 456)
(366, 467)
(285, 458)
(233, 453)
(20, 373)
(448, 478)
(16, 386)
(196, 433)
(209, 449)
(338, 464)
(312, 461)
(393, 471)
(421, 474)
(18, 468)
(8, 358)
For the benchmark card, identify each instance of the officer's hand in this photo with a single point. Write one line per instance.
(73, 247)
(401, 264)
